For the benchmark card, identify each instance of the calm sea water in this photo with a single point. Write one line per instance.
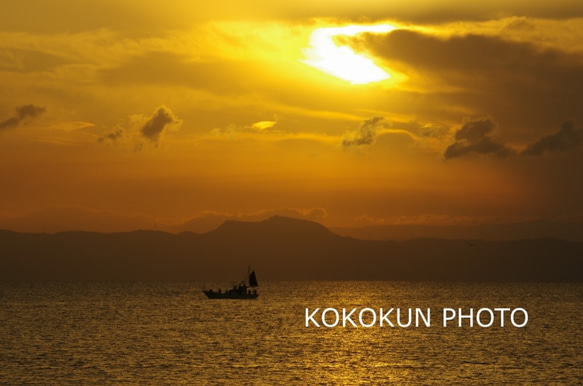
(169, 333)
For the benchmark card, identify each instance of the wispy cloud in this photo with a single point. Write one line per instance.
(366, 133)
(112, 136)
(22, 113)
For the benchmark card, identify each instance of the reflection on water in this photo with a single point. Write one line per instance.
(169, 333)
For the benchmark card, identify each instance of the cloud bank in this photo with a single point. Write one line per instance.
(474, 138)
(521, 83)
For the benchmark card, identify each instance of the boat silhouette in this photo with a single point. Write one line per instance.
(239, 291)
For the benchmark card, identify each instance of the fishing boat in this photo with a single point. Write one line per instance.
(243, 290)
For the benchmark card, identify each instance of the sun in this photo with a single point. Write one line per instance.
(341, 61)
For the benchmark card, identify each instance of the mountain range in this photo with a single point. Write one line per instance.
(281, 248)
(67, 218)
(564, 230)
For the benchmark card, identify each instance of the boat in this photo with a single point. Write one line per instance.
(243, 290)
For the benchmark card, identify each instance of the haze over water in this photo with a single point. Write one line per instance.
(169, 333)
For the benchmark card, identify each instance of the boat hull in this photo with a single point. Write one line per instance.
(229, 295)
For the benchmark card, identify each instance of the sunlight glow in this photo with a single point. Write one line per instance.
(341, 61)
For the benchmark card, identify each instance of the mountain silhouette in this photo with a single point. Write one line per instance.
(274, 227)
(571, 231)
(280, 248)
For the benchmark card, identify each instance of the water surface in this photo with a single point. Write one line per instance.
(169, 333)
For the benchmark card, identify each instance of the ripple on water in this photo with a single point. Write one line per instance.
(168, 333)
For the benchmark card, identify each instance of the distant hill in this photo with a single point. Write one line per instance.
(66, 218)
(280, 249)
(571, 231)
(69, 218)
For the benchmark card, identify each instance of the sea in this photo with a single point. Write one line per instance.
(169, 333)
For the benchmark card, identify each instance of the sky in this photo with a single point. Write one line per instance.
(135, 114)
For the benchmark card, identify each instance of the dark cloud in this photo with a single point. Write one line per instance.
(473, 139)
(475, 130)
(22, 113)
(520, 83)
(146, 134)
(566, 138)
(482, 146)
(366, 133)
(49, 18)
(474, 57)
(157, 123)
(113, 136)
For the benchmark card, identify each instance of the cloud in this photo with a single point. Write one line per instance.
(28, 60)
(263, 125)
(475, 130)
(217, 75)
(483, 146)
(236, 131)
(366, 133)
(141, 132)
(422, 130)
(521, 83)
(473, 139)
(113, 136)
(49, 18)
(566, 138)
(157, 123)
(22, 113)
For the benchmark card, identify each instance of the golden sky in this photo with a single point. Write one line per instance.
(367, 112)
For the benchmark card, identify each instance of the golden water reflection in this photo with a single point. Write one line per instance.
(169, 333)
